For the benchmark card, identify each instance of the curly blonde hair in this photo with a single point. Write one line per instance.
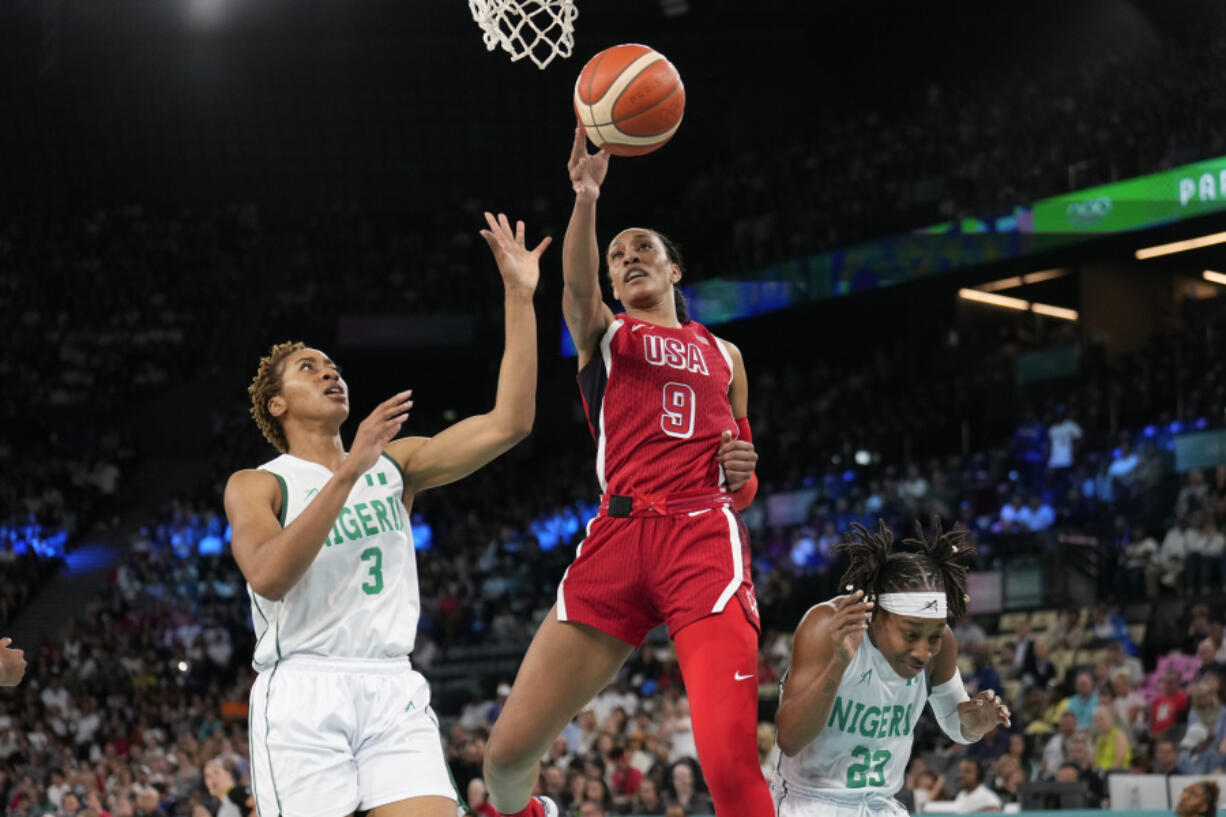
(266, 385)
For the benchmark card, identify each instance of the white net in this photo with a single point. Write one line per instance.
(537, 29)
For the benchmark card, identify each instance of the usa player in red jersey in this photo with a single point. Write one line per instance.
(667, 403)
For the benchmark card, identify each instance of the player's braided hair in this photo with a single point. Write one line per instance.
(674, 255)
(266, 385)
(939, 562)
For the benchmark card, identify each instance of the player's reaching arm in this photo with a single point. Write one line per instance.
(587, 315)
(962, 718)
(459, 450)
(12, 664)
(273, 558)
(825, 641)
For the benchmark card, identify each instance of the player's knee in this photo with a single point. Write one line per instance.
(503, 758)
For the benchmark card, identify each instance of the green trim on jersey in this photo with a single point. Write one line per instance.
(284, 496)
(461, 800)
(404, 482)
(267, 729)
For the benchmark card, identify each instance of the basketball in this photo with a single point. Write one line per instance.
(629, 100)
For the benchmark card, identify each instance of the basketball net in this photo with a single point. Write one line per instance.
(537, 29)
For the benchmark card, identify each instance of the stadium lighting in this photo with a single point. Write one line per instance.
(1181, 246)
(1054, 311)
(1022, 280)
(1003, 283)
(1214, 277)
(1043, 275)
(994, 300)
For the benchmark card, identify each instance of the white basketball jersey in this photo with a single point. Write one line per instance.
(359, 598)
(866, 741)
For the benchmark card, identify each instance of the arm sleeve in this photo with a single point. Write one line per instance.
(944, 700)
(744, 495)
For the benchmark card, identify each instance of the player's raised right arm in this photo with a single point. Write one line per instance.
(822, 649)
(273, 558)
(587, 316)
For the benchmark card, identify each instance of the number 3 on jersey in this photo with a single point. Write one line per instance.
(375, 586)
(678, 417)
(857, 773)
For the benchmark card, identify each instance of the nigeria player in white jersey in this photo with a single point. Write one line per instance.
(850, 704)
(340, 722)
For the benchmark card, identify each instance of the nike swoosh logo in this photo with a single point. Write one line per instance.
(637, 327)
(698, 513)
(737, 675)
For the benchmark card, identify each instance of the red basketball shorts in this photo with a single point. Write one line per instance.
(673, 566)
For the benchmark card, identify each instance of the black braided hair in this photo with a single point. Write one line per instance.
(939, 563)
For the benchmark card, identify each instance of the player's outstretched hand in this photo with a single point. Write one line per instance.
(375, 432)
(983, 713)
(520, 267)
(738, 459)
(847, 626)
(12, 664)
(587, 170)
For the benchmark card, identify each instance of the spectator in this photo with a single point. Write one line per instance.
(147, 803)
(625, 778)
(1198, 800)
(1068, 632)
(1194, 496)
(969, 634)
(1039, 670)
(553, 785)
(1206, 709)
(973, 795)
(684, 792)
(1008, 779)
(1112, 749)
(1129, 705)
(69, 805)
(1167, 570)
(1166, 757)
(1206, 655)
(1019, 749)
(647, 801)
(1080, 756)
(1037, 516)
(1062, 438)
(1055, 752)
(1168, 705)
(990, 747)
(1083, 701)
(1118, 659)
(1205, 551)
(984, 676)
(219, 781)
(478, 799)
(1199, 753)
(1139, 555)
(1023, 643)
(592, 808)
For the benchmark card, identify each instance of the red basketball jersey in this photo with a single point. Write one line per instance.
(657, 402)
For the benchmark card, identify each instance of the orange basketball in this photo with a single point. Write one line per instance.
(629, 99)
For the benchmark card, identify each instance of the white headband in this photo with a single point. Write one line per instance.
(917, 605)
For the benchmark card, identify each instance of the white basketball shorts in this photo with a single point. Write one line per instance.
(793, 801)
(333, 736)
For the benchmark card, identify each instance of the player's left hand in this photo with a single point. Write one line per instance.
(738, 460)
(520, 267)
(983, 713)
